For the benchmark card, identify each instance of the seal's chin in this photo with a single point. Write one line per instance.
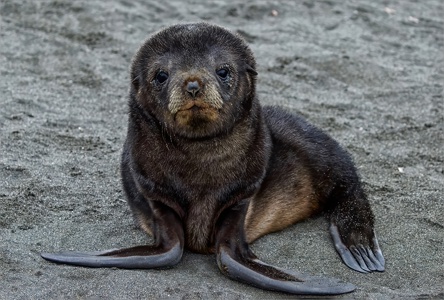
(195, 115)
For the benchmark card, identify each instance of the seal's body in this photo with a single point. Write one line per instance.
(205, 167)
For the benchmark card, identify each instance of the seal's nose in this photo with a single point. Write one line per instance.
(193, 88)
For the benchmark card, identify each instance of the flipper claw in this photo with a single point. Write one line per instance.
(361, 258)
(358, 257)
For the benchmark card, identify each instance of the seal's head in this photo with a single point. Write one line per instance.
(196, 80)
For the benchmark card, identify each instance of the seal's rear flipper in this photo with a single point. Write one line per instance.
(264, 276)
(140, 257)
(362, 258)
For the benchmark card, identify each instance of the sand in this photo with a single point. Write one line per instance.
(370, 73)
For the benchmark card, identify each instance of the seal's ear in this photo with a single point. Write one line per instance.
(138, 65)
(135, 80)
(251, 70)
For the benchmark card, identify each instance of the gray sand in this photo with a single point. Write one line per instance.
(369, 76)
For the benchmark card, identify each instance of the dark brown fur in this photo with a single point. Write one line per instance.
(199, 172)
(205, 167)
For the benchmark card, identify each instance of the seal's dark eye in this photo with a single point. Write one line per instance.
(161, 77)
(222, 73)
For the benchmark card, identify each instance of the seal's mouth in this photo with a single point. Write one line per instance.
(196, 113)
(195, 105)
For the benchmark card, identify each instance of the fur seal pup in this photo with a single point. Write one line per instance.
(207, 168)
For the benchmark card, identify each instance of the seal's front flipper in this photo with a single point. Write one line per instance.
(140, 257)
(236, 260)
(264, 276)
(167, 251)
(361, 257)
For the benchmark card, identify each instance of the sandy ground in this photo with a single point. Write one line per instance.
(368, 72)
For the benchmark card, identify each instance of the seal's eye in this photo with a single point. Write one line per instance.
(222, 73)
(161, 77)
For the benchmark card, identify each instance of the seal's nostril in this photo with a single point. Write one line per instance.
(193, 88)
